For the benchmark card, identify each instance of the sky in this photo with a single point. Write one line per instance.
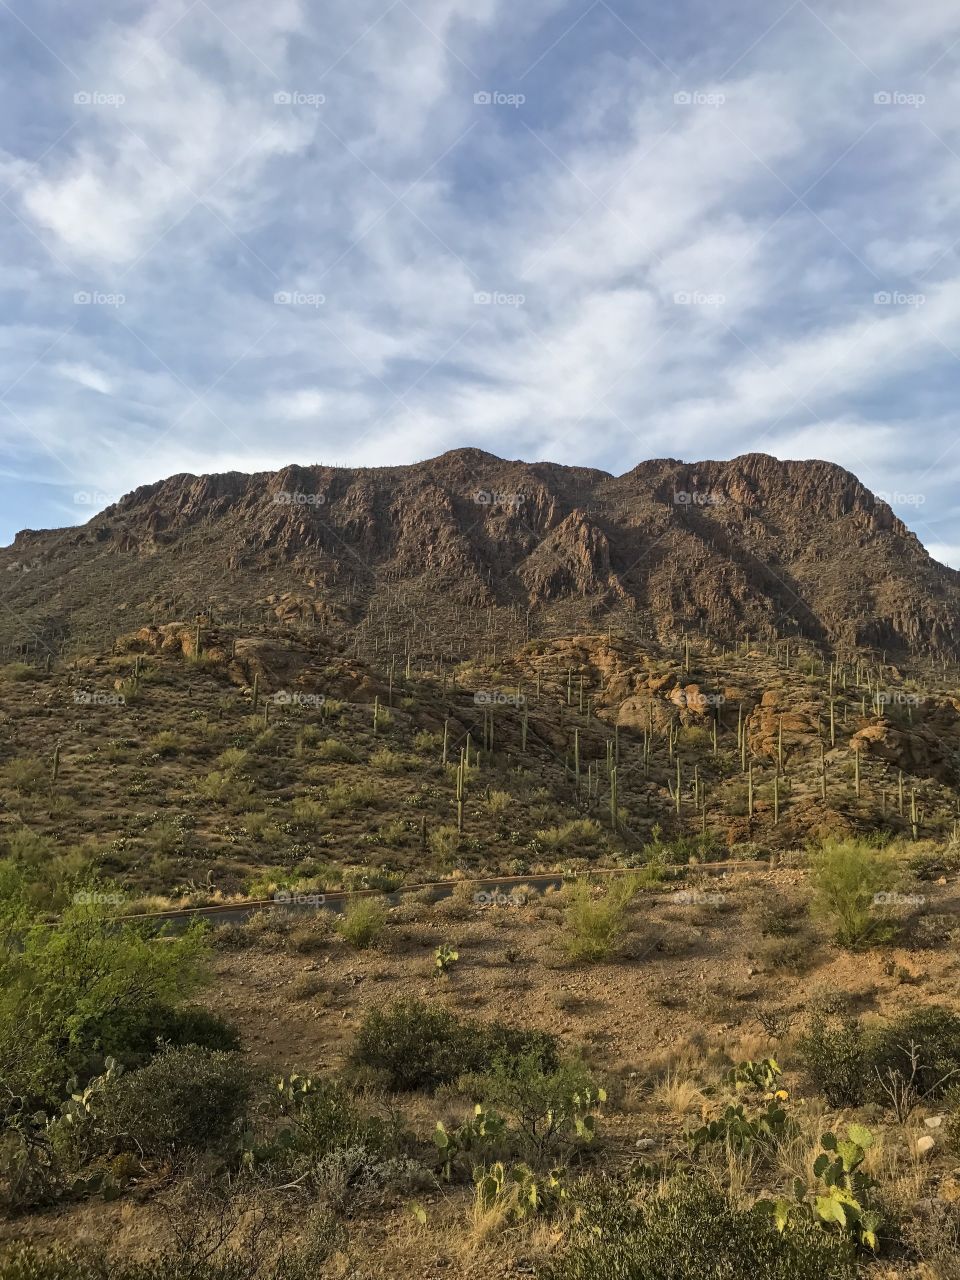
(238, 234)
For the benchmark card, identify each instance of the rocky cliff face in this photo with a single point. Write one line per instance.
(750, 546)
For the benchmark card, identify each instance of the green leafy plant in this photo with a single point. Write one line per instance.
(483, 1130)
(517, 1191)
(82, 989)
(363, 922)
(740, 1131)
(414, 1044)
(595, 926)
(444, 958)
(554, 1109)
(763, 1076)
(847, 876)
(840, 1198)
(627, 1229)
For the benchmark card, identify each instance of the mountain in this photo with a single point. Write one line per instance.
(443, 554)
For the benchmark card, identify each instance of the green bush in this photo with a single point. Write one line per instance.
(322, 1115)
(80, 990)
(913, 1058)
(553, 1109)
(189, 1099)
(363, 922)
(177, 1027)
(690, 1232)
(595, 926)
(847, 875)
(416, 1045)
(832, 1053)
(919, 1051)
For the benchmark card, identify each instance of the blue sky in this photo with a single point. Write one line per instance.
(240, 234)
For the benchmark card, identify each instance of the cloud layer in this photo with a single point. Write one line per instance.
(239, 235)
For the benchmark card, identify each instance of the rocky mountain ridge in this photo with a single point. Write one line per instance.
(751, 546)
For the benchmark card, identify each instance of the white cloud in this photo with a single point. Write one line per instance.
(599, 200)
(87, 376)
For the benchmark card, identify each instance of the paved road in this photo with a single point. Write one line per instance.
(488, 891)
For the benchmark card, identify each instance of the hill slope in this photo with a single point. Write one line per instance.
(409, 556)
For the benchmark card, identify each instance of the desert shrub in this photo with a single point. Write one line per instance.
(332, 750)
(394, 833)
(498, 802)
(689, 1231)
(580, 831)
(416, 1045)
(595, 926)
(847, 875)
(166, 743)
(347, 1176)
(832, 1053)
(309, 813)
(342, 798)
(444, 841)
(696, 737)
(552, 1109)
(26, 775)
(915, 1056)
(323, 1115)
(79, 990)
(31, 1173)
(932, 864)
(17, 671)
(162, 1024)
(387, 761)
(363, 922)
(25, 846)
(226, 789)
(188, 1099)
